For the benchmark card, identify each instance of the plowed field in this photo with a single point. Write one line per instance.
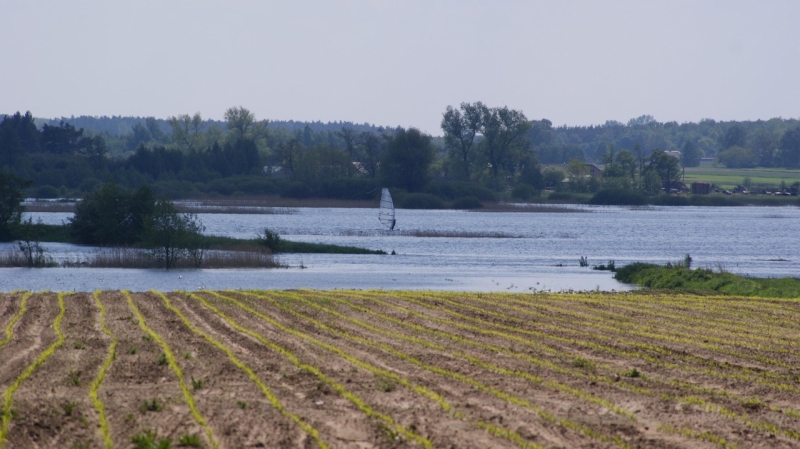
(382, 369)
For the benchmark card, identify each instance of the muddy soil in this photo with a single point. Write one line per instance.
(357, 369)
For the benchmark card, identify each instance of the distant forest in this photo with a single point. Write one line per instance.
(492, 149)
(555, 145)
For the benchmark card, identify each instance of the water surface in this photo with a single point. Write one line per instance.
(755, 241)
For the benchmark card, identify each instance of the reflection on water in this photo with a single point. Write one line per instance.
(754, 241)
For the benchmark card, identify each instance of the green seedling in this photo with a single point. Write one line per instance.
(69, 407)
(132, 351)
(242, 405)
(79, 345)
(151, 406)
(192, 440)
(197, 384)
(162, 360)
(75, 378)
(149, 440)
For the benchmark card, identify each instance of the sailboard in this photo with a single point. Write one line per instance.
(386, 211)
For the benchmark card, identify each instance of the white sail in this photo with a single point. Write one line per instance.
(386, 212)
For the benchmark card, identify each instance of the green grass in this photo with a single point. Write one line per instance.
(704, 280)
(731, 177)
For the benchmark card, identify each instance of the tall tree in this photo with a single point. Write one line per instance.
(461, 126)
(666, 166)
(372, 146)
(766, 145)
(503, 132)
(12, 193)
(61, 139)
(350, 138)
(735, 136)
(790, 148)
(186, 131)
(243, 123)
(408, 157)
(691, 154)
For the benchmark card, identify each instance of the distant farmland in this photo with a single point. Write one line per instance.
(397, 369)
(730, 177)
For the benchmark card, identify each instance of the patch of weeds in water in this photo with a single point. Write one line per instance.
(192, 440)
(162, 359)
(78, 345)
(69, 407)
(149, 440)
(242, 405)
(197, 384)
(151, 406)
(75, 378)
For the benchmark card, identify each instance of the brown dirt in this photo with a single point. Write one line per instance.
(365, 369)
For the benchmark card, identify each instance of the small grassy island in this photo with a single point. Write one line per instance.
(681, 278)
(137, 230)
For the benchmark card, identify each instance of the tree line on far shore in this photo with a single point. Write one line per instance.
(484, 152)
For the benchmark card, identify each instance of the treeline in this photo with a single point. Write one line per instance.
(765, 142)
(483, 150)
(554, 145)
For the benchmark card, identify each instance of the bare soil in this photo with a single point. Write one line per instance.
(355, 369)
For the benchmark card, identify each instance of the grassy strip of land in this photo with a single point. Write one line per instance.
(283, 246)
(60, 234)
(679, 278)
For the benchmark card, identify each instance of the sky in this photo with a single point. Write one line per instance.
(402, 63)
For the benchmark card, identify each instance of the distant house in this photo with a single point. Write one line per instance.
(276, 171)
(594, 170)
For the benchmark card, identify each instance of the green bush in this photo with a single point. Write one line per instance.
(349, 189)
(468, 202)
(46, 192)
(297, 190)
(451, 190)
(258, 186)
(422, 201)
(524, 192)
(269, 239)
(560, 196)
(112, 216)
(221, 186)
(618, 197)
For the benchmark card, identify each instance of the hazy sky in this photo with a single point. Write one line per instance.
(402, 62)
